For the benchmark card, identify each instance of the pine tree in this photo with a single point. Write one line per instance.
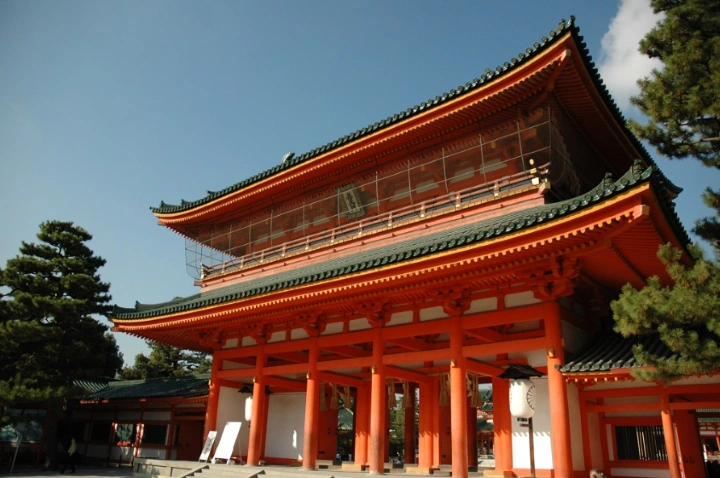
(48, 336)
(682, 102)
(166, 361)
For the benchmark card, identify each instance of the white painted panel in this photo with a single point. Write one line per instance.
(432, 313)
(401, 318)
(333, 328)
(231, 408)
(247, 342)
(483, 305)
(535, 358)
(358, 324)
(157, 415)
(298, 333)
(541, 435)
(633, 401)
(278, 336)
(520, 298)
(230, 344)
(230, 365)
(286, 423)
(152, 453)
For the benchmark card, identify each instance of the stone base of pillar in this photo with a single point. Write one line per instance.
(497, 473)
(353, 467)
(418, 470)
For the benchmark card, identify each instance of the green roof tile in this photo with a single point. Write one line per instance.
(185, 387)
(609, 350)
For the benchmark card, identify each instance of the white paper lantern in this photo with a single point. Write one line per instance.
(522, 398)
(248, 408)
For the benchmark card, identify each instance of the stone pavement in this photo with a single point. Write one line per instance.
(84, 471)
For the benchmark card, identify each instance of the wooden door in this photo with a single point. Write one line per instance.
(190, 440)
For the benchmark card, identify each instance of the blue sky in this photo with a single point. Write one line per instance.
(109, 107)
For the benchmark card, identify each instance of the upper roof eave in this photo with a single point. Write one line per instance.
(169, 214)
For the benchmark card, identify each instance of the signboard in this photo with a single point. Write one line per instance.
(227, 441)
(207, 448)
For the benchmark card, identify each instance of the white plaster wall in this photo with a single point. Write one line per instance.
(541, 435)
(358, 324)
(432, 313)
(520, 298)
(231, 408)
(401, 318)
(278, 336)
(286, 424)
(331, 328)
(483, 305)
(230, 344)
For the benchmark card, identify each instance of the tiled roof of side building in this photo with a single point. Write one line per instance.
(410, 249)
(608, 351)
(489, 76)
(171, 387)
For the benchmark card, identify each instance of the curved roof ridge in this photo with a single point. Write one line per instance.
(489, 75)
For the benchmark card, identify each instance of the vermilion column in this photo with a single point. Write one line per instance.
(362, 422)
(258, 405)
(559, 417)
(502, 423)
(410, 427)
(311, 409)
(472, 446)
(377, 406)
(669, 432)
(213, 398)
(458, 402)
(425, 447)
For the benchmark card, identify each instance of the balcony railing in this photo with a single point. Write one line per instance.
(380, 222)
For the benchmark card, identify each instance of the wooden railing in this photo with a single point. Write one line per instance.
(430, 207)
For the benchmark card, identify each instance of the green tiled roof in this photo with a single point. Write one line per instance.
(91, 386)
(413, 248)
(490, 75)
(184, 387)
(609, 350)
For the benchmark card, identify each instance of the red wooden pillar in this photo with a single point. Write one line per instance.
(410, 427)
(502, 422)
(559, 416)
(691, 452)
(436, 423)
(425, 448)
(472, 435)
(669, 432)
(458, 401)
(213, 398)
(263, 438)
(378, 405)
(362, 425)
(258, 405)
(311, 409)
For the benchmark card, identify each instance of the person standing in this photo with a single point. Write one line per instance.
(71, 455)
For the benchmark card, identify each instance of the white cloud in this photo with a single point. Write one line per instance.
(621, 64)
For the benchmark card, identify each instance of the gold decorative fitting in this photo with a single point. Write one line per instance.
(372, 369)
(452, 362)
(307, 375)
(551, 353)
